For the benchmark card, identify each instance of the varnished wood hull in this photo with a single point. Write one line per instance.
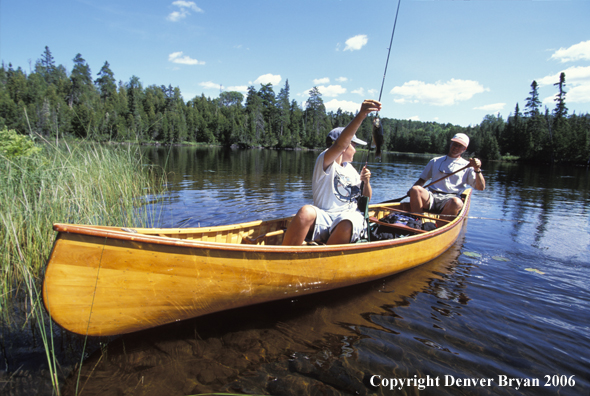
(105, 281)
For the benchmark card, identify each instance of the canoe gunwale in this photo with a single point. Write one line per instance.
(117, 233)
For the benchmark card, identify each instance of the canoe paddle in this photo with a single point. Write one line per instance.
(429, 184)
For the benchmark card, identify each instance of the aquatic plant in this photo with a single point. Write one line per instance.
(84, 183)
(80, 182)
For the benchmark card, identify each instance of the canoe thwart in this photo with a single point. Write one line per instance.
(254, 240)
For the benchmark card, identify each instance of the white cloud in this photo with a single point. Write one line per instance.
(371, 93)
(238, 88)
(175, 16)
(577, 81)
(579, 94)
(345, 105)
(356, 43)
(324, 80)
(176, 57)
(184, 10)
(342, 79)
(577, 75)
(494, 107)
(331, 90)
(273, 79)
(210, 85)
(580, 51)
(414, 118)
(437, 94)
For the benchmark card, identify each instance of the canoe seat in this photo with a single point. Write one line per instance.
(262, 237)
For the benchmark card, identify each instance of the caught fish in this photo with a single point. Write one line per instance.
(377, 137)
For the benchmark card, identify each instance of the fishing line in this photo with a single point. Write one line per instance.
(385, 71)
(483, 218)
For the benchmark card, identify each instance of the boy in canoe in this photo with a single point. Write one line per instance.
(443, 196)
(334, 217)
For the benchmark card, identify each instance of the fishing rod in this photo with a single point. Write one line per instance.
(386, 65)
(389, 49)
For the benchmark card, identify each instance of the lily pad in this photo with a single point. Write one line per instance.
(472, 254)
(500, 258)
(534, 270)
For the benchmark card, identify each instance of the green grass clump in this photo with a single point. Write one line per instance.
(81, 183)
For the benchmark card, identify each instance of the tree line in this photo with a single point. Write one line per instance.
(56, 103)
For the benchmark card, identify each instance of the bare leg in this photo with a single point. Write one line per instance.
(303, 221)
(452, 208)
(419, 199)
(341, 233)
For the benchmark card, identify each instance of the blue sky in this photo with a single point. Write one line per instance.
(451, 61)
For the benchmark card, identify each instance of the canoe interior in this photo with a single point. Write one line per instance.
(268, 232)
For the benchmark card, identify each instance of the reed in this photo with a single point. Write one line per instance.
(83, 183)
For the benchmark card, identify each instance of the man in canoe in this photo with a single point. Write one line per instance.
(334, 217)
(443, 196)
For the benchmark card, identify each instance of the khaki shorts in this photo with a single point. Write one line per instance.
(325, 223)
(438, 200)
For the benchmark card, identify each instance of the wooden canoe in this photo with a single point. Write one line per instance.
(104, 281)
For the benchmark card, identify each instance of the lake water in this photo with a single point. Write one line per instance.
(505, 311)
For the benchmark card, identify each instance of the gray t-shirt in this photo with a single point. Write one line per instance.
(440, 167)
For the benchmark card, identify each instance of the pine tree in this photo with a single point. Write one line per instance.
(284, 116)
(533, 103)
(270, 114)
(315, 113)
(46, 67)
(296, 117)
(81, 79)
(255, 117)
(560, 108)
(106, 82)
(561, 127)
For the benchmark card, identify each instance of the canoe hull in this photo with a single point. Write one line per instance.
(101, 281)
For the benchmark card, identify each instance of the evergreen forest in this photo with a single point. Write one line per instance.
(55, 103)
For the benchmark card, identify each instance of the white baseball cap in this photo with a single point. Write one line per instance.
(335, 133)
(461, 138)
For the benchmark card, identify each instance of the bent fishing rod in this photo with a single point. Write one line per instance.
(386, 62)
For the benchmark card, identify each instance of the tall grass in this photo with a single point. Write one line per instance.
(82, 183)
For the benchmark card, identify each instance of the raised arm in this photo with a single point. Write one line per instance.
(345, 137)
